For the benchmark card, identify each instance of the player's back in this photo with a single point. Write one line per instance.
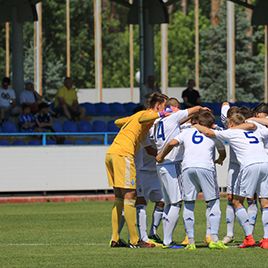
(130, 135)
(164, 130)
(247, 145)
(199, 150)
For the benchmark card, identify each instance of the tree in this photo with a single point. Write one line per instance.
(249, 68)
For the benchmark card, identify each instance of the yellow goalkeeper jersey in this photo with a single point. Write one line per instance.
(133, 130)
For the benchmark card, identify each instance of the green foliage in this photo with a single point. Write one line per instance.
(181, 47)
(249, 66)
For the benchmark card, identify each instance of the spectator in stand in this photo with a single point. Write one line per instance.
(7, 100)
(43, 118)
(66, 102)
(30, 97)
(191, 96)
(27, 119)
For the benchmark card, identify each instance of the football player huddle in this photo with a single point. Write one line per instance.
(167, 155)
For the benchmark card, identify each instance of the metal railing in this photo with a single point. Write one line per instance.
(47, 134)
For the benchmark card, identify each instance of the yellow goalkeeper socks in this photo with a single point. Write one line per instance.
(130, 218)
(116, 217)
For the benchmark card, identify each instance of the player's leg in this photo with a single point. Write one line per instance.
(208, 227)
(155, 195)
(232, 180)
(172, 197)
(252, 211)
(208, 182)
(246, 187)
(142, 218)
(191, 188)
(262, 192)
(118, 202)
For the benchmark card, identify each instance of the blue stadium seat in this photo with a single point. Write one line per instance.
(130, 107)
(57, 126)
(9, 127)
(35, 142)
(84, 126)
(89, 107)
(81, 142)
(69, 142)
(111, 127)
(51, 142)
(99, 126)
(4, 143)
(95, 142)
(70, 126)
(117, 108)
(18, 143)
(102, 108)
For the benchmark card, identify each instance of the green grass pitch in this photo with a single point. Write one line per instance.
(77, 235)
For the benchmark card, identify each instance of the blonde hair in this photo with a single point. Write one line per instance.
(236, 119)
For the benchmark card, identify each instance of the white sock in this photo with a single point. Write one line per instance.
(242, 216)
(214, 218)
(230, 218)
(188, 217)
(142, 222)
(170, 220)
(156, 219)
(265, 222)
(208, 230)
(252, 213)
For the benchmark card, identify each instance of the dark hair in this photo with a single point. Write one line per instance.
(139, 108)
(232, 110)
(261, 108)
(25, 106)
(246, 112)
(6, 80)
(173, 102)
(43, 105)
(237, 119)
(154, 98)
(206, 118)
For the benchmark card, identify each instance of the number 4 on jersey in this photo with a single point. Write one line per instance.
(160, 131)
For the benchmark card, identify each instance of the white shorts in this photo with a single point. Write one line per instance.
(232, 179)
(253, 179)
(170, 179)
(195, 180)
(148, 186)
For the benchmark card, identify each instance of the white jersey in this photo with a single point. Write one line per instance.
(164, 130)
(247, 145)
(144, 161)
(261, 127)
(199, 150)
(6, 95)
(224, 111)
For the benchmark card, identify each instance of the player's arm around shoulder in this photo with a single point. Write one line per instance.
(222, 152)
(205, 130)
(262, 121)
(121, 121)
(167, 149)
(246, 126)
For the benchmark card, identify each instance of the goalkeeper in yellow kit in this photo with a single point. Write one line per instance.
(121, 170)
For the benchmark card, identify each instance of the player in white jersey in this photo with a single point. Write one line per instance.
(199, 173)
(148, 188)
(169, 171)
(253, 178)
(232, 179)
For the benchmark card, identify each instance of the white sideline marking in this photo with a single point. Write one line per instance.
(52, 244)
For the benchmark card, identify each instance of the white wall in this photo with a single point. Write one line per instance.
(122, 95)
(58, 168)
